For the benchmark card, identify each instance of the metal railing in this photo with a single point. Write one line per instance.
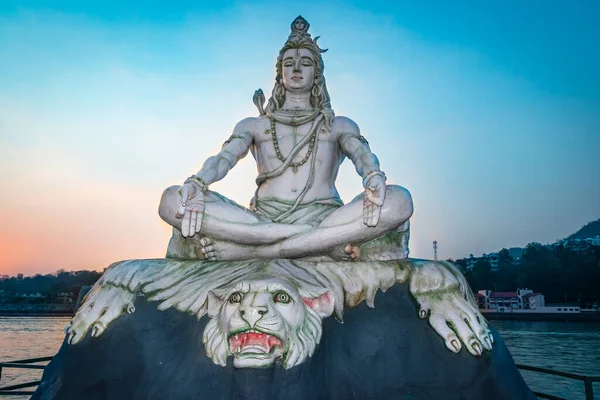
(30, 363)
(588, 381)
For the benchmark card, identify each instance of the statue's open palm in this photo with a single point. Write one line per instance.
(373, 200)
(191, 210)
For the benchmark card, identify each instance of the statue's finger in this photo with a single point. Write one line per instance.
(441, 327)
(190, 219)
(192, 228)
(368, 212)
(185, 224)
(376, 214)
(382, 194)
(372, 216)
(199, 216)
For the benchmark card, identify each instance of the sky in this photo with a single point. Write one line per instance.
(488, 112)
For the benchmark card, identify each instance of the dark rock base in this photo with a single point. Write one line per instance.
(381, 353)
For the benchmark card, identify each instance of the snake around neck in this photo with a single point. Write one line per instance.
(293, 117)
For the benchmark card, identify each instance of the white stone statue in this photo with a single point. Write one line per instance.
(268, 275)
(298, 144)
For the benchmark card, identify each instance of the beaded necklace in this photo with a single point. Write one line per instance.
(311, 146)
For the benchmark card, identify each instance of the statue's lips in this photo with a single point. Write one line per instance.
(297, 78)
(253, 341)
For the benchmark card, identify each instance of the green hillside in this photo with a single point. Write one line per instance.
(590, 230)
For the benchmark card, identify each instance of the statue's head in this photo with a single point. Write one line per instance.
(260, 321)
(300, 56)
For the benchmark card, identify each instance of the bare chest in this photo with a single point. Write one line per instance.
(276, 143)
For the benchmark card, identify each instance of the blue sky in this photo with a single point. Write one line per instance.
(489, 113)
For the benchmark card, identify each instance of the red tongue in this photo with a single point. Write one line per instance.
(253, 338)
(249, 338)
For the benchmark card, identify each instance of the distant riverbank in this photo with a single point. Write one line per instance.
(38, 313)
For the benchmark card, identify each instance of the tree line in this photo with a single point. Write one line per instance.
(47, 285)
(559, 273)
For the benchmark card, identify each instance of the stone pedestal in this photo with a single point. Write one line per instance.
(381, 353)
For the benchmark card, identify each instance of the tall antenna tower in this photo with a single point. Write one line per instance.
(435, 247)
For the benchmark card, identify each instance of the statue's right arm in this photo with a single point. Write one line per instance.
(234, 149)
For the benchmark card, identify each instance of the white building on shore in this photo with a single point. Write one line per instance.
(521, 301)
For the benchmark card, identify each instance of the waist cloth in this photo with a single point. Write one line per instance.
(310, 213)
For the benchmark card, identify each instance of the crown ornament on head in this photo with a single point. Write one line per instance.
(299, 28)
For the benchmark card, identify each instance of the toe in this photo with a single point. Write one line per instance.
(424, 310)
(98, 329)
(466, 335)
(476, 324)
(348, 249)
(450, 339)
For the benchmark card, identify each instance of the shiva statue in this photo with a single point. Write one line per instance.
(299, 144)
(267, 275)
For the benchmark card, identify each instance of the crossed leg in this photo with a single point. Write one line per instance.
(338, 235)
(228, 221)
(343, 226)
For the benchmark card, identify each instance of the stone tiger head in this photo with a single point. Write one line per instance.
(262, 321)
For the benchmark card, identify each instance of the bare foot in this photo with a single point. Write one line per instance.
(225, 251)
(349, 252)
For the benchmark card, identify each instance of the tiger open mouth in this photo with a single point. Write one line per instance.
(253, 343)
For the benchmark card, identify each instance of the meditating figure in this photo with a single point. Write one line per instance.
(298, 144)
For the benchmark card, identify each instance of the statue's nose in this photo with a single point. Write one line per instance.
(252, 314)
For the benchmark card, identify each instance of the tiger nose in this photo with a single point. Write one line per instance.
(252, 314)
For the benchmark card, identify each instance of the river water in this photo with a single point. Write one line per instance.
(565, 346)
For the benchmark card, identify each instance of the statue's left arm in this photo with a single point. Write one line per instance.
(357, 149)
